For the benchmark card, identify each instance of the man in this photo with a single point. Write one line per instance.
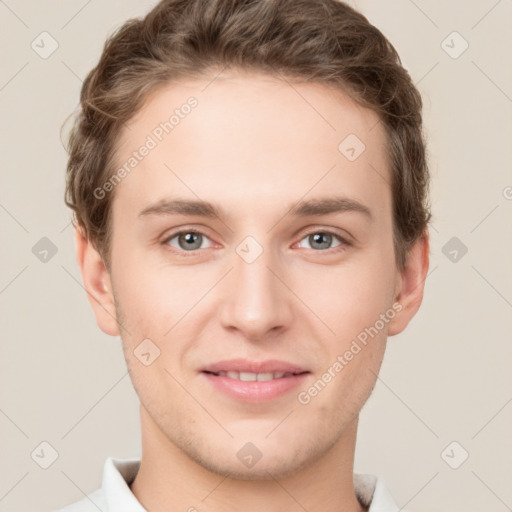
(249, 187)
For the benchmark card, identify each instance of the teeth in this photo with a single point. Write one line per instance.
(252, 377)
(247, 376)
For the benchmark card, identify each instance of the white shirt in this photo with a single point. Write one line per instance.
(115, 494)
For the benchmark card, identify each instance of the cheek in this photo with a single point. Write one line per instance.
(157, 306)
(355, 351)
(346, 381)
(360, 316)
(153, 298)
(352, 297)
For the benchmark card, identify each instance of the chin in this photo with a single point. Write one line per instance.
(262, 470)
(268, 460)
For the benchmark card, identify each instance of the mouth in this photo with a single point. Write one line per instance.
(253, 381)
(253, 377)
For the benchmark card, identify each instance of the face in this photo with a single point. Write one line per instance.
(260, 317)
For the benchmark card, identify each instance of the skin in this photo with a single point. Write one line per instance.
(254, 146)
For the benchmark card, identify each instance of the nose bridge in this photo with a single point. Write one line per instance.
(256, 301)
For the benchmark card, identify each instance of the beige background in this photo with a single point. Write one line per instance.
(447, 378)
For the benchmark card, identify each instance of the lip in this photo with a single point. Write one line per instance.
(254, 391)
(244, 365)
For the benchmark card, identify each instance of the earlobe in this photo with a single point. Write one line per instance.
(411, 284)
(97, 284)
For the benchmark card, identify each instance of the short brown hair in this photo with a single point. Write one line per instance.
(321, 41)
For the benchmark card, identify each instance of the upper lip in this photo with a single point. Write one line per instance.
(244, 365)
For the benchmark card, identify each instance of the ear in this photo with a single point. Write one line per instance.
(97, 284)
(410, 285)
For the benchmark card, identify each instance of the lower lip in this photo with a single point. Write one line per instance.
(255, 391)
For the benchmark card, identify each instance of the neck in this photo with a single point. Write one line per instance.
(169, 480)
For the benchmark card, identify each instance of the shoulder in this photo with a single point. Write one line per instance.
(91, 503)
(373, 494)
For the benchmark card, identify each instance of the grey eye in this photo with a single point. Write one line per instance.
(187, 240)
(321, 240)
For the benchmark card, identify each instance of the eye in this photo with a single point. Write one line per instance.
(191, 240)
(322, 240)
(187, 240)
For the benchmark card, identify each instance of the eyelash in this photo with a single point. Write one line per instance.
(344, 243)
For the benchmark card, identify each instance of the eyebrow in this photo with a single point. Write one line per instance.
(311, 207)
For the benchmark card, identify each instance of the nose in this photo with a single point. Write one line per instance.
(257, 302)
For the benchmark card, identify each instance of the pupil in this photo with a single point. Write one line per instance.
(317, 238)
(190, 239)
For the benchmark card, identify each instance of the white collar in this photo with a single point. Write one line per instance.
(117, 496)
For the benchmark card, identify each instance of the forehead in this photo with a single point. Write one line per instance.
(243, 136)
